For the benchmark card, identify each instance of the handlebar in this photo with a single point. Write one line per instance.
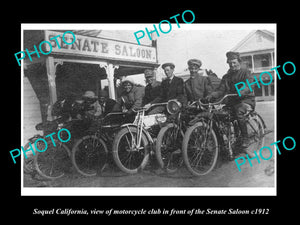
(191, 104)
(147, 108)
(218, 102)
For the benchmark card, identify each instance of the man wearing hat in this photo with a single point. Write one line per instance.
(131, 97)
(91, 105)
(152, 89)
(197, 86)
(241, 105)
(171, 88)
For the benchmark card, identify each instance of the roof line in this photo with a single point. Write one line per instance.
(249, 36)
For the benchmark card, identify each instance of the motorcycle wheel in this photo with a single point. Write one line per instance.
(168, 148)
(128, 157)
(89, 155)
(53, 162)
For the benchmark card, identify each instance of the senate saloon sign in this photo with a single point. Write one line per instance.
(99, 47)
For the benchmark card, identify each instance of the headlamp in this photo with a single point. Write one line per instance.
(173, 106)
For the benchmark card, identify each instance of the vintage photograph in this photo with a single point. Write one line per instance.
(188, 112)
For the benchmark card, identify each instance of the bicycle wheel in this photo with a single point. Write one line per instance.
(256, 131)
(168, 148)
(28, 163)
(129, 157)
(89, 155)
(200, 149)
(54, 162)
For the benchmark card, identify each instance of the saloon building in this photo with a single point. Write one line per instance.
(89, 63)
(257, 53)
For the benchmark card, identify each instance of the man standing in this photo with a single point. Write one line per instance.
(197, 86)
(152, 89)
(241, 105)
(171, 88)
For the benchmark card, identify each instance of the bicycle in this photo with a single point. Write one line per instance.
(217, 129)
(170, 137)
(135, 141)
(90, 153)
(52, 163)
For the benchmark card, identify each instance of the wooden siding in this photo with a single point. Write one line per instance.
(31, 111)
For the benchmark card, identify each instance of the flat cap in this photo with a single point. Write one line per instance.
(149, 73)
(233, 55)
(168, 64)
(194, 62)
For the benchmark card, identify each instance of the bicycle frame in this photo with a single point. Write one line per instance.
(139, 125)
(216, 122)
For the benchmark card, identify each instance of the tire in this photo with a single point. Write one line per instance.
(188, 153)
(53, 162)
(166, 150)
(28, 164)
(89, 155)
(122, 145)
(256, 133)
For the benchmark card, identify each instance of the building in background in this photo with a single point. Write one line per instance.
(257, 53)
(94, 60)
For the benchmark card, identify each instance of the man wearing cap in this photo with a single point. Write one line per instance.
(131, 97)
(243, 104)
(197, 86)
(171, 88)
(106, 104)
(152, 89)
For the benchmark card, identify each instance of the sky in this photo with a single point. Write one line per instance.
(207, 42)
(210, 46)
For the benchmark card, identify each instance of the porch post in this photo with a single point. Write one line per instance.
(110, 71)
(51, 74)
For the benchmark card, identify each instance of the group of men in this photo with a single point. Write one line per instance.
(195, 88)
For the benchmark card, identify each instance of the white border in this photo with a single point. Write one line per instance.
(153, 191)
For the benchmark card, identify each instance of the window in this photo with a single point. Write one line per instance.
(266, 90)
(257, 91)
(272, 89)
(262, 62)
(247, 62)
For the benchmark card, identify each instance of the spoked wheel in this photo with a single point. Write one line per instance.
(53, 162)
(168, 148)
(28, 163)
(127, 154)
(200, 149)
(89, 155)
(256, 133)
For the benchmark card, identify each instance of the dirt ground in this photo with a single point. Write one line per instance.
(225, 175)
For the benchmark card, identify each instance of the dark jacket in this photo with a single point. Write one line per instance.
(227, 86)
(171, 90)
(109, 105)
(197, 88)
(152, 92)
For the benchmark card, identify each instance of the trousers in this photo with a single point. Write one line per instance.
(240, 111)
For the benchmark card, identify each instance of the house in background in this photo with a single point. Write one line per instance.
(257, 53)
